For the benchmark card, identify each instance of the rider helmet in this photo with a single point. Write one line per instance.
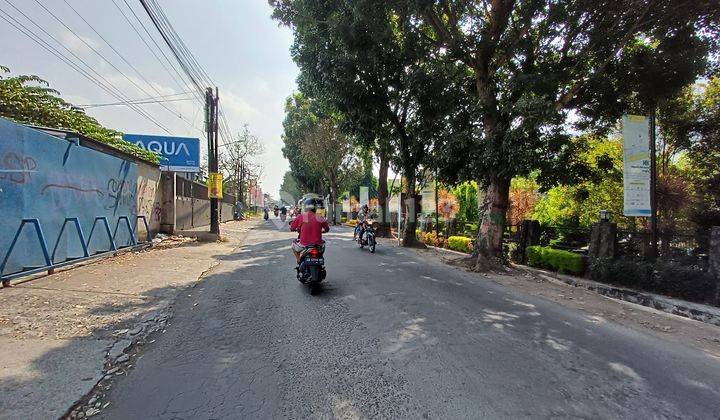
(309, 205)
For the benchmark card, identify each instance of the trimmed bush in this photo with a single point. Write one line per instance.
(460, 243)
(429, 238)
(556, 259)
(343, 219)
(471, 228)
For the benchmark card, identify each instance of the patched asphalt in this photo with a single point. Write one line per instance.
(392, 335)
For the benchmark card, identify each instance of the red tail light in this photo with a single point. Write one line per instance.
(314, 252)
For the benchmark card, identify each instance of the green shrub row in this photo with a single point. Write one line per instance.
(460, 243)
(556, 259)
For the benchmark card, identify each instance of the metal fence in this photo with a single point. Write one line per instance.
(192, 205)
(684, 248)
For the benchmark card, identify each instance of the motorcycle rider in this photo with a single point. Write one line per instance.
(283, 213)
(311, 227)
(362, 219)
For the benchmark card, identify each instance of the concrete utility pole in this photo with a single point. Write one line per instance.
(653, 189)
(211, 113)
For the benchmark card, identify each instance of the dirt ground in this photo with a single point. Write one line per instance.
(89, 300)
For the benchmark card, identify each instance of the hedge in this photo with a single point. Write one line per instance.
(556, 259)
(343, 219)
(460, 243)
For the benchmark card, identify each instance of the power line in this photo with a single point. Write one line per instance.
(190, 66)
(155, 101)
(198, 95)
(105, 84)
(192, 124)
(187, 61)
(152, 51)
(99, 54)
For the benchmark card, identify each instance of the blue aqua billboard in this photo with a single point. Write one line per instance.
(178, 154)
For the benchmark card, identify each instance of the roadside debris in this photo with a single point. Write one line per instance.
(162, 240)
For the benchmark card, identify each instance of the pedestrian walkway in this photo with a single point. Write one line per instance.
(55, 331)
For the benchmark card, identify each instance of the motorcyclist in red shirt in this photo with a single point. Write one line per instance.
(311, 227)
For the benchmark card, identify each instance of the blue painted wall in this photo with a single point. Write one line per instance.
(50, 179)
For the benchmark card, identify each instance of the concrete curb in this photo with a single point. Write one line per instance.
(695, 311)
(448, 251)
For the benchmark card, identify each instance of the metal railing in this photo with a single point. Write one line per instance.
(49, 257)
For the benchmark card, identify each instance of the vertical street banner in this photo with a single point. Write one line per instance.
(215, 189)
(364, 196)
(636, 165)
(256, 196)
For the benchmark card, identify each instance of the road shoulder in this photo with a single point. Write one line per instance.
(64, 333)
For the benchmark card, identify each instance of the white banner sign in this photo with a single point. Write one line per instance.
(636, 165)
(364, 196)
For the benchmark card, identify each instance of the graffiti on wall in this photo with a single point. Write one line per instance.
(16, 167)
(149, 200)
(46, 178)
(121, 193)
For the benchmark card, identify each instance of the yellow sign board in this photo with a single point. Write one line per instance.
(215, 181)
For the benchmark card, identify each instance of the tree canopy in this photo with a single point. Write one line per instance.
(490, 90)
(363, 60)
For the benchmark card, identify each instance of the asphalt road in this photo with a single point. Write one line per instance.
(393, 335)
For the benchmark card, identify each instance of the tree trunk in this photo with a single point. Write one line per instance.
(409, 237)
(384, 210)
(488, 252)
(333, 200)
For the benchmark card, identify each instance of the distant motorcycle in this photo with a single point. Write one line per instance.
(368, 238)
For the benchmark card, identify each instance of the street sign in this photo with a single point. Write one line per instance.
(636, 166)
(215, 185)
(178, 154)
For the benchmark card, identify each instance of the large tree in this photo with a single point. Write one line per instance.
(238, 161)
(297, 123)
(705, 156)
(331, 152)
(290, 192)
(534, 61)
(362, 58)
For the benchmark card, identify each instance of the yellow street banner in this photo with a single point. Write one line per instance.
(215, 181)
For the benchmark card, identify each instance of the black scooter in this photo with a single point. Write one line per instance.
(368, 238)
(312, 265)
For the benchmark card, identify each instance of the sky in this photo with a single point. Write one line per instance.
(242, 49)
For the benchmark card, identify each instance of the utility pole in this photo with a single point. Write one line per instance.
(211, 114)
(653, 187)
(437, 207)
